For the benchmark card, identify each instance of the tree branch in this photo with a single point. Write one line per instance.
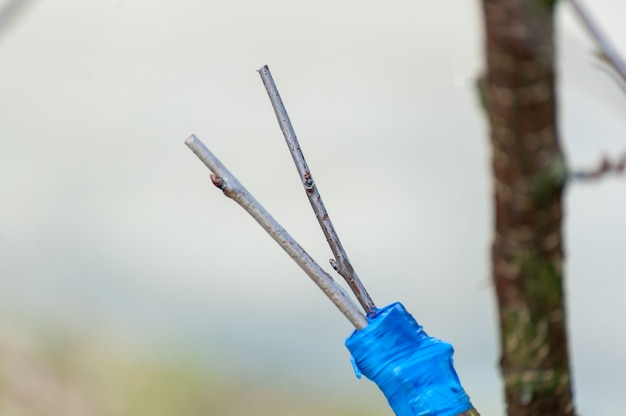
(341, 263)
(234, 190)
(605, 167)
(609, 52)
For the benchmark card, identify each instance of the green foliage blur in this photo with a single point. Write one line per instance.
(61, 374)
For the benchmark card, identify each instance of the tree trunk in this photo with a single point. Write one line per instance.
(529, 176)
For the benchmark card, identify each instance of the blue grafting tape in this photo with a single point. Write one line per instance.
(413, 370)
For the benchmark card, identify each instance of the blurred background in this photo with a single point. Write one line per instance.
(129, 285)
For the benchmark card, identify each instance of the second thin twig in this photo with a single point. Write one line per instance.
(341, 263)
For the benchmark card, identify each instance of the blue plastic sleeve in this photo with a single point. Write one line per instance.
(413, 370)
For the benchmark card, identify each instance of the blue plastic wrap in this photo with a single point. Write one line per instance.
(413, 370)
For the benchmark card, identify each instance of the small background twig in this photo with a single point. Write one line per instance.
(609, 53)
(10, 11)
(604, 168)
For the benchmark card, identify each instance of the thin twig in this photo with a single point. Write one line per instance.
(610, 53)
(341, 263)
(233, 189)
(604, 168)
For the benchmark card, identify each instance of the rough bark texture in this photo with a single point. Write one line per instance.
(529, 173)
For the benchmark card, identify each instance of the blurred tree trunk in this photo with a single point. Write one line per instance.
(529, 176)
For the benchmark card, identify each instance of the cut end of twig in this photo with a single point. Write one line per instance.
(192, 138)
(263, 68)
(217, 181)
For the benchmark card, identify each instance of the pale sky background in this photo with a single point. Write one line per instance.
(109, 222)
